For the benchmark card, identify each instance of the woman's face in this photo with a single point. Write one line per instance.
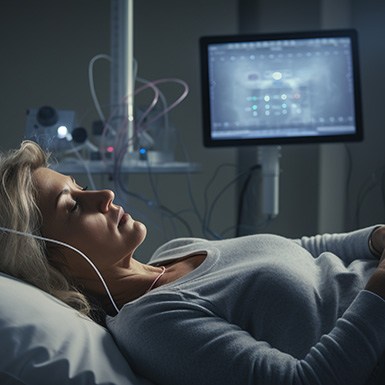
(87, 220)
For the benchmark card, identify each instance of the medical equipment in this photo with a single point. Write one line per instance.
(281, 88)
(50, 127)
(274, 89)
(122, 83)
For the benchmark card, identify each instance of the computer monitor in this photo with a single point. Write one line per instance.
(281, 88)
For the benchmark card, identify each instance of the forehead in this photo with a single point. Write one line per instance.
(46, 179)
(48, 184)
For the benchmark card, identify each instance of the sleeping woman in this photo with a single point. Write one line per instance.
(259, 309)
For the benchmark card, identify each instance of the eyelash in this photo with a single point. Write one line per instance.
(76, 205)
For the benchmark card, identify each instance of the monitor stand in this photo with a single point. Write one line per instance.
(269, 161)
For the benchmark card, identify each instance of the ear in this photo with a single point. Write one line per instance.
(57, 258)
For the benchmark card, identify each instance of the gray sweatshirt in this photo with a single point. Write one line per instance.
(260, 309)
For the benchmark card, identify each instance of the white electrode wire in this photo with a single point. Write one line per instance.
(121, 150)
(107, 123)
(92, 83)
(7, 230)
(175, 103)
(161, 97)
(148, 84)
(107, 127)
(152, 104)
(122, 141)
(153, 85)
(120, 146)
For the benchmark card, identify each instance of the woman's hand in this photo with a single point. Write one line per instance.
(376, 282)
(377, 242)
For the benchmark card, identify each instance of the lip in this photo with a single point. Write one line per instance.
(120, 216)
(123, 217)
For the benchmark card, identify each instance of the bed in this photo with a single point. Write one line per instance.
(45, 342)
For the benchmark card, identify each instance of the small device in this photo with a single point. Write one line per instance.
(50, 128)
(297, 87)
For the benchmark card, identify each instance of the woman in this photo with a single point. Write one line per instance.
(260, 309)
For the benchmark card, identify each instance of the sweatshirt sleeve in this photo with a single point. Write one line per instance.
(347, 246)
(175, 342)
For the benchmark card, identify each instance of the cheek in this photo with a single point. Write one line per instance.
(88, 235)
(101, 241)
(78, 234)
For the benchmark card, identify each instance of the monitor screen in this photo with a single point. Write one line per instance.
(281, 88)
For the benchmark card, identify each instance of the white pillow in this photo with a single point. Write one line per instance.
(45, 342)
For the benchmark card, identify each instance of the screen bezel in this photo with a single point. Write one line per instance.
(206, 41)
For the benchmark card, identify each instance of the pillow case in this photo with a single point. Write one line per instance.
(44, 342)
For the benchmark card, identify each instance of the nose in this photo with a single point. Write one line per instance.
(107, 197)
(101, 198)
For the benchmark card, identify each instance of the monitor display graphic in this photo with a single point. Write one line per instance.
(281, 88)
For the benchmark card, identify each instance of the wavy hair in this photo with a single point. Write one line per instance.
(21, 256)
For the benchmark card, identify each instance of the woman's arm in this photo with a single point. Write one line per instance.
(358, 244)
(180, 342)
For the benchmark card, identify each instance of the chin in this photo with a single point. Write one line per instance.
(141, 229)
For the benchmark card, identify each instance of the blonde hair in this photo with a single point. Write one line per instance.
(22, 256)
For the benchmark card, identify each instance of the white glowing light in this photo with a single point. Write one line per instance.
(277, 75)
(62, 132)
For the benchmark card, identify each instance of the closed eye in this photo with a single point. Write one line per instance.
(75, 207)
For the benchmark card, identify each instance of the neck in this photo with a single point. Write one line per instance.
(157, 278)
(126, 283)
